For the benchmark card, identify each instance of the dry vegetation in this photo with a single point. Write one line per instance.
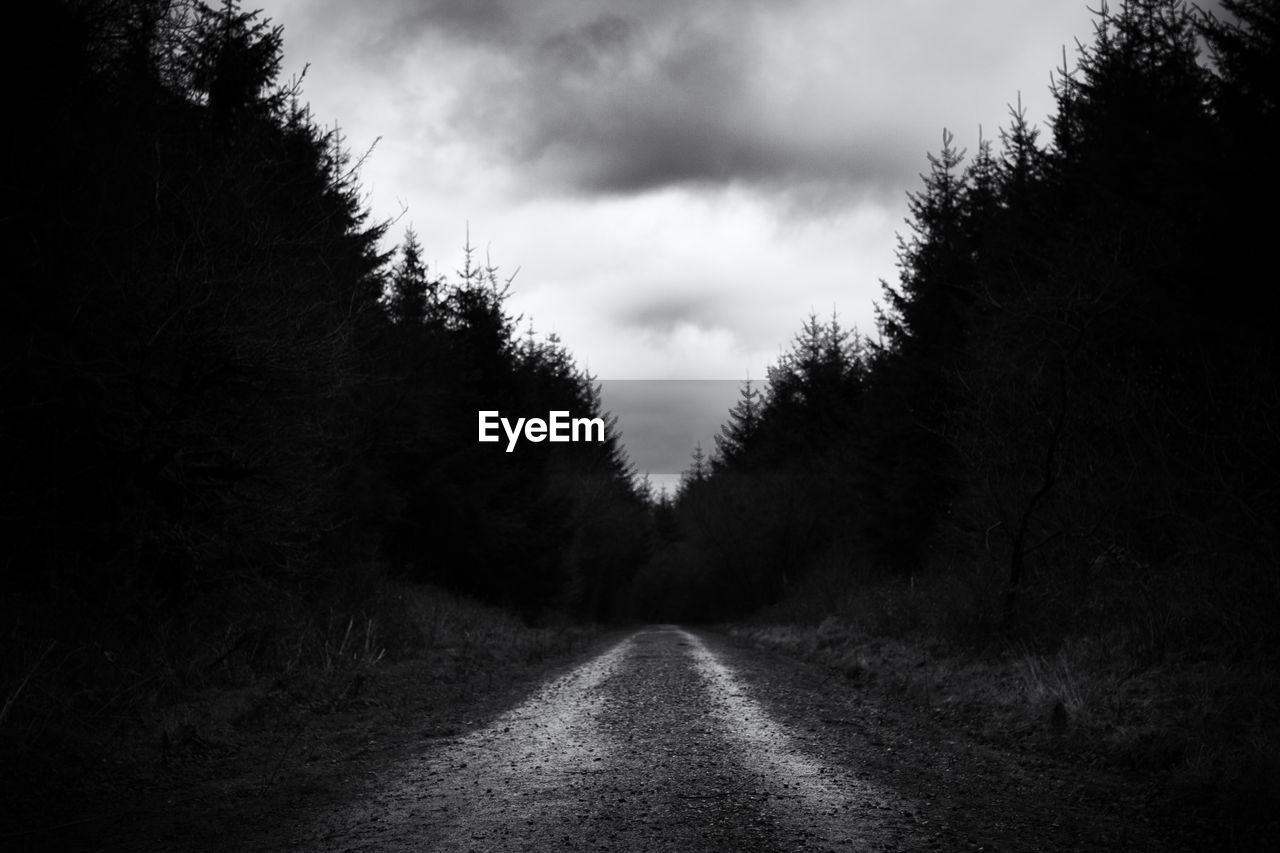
(245, 703)
(1179, 689)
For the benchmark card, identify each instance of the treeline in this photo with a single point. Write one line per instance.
(1070, 407)
(216, 385)
(218, 392)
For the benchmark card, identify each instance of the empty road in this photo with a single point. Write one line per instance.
(675, 740)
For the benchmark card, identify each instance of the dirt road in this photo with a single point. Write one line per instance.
(675, 740)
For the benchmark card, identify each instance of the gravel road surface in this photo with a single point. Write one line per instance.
(677, 740)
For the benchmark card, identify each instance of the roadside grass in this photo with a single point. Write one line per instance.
(139, 699)
(1182, 687)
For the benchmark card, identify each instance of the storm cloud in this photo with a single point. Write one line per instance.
(815, 99)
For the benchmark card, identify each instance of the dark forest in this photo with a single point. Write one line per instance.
(238, 435)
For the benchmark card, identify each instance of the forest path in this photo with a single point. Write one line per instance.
(671, 740)
(657, 739)
(653, 745)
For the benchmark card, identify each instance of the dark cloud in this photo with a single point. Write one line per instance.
(621, 104)
(623, 96)
(591, 47)
(662, 312)
(821, 101)
(473, 20)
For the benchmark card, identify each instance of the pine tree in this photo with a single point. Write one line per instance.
(1022, 162)
(412, 298)
(1246, 55)
(908, 474)
(697, 473)
(737, 435)
(922, 320)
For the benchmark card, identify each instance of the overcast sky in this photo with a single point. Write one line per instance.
(679, 182)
